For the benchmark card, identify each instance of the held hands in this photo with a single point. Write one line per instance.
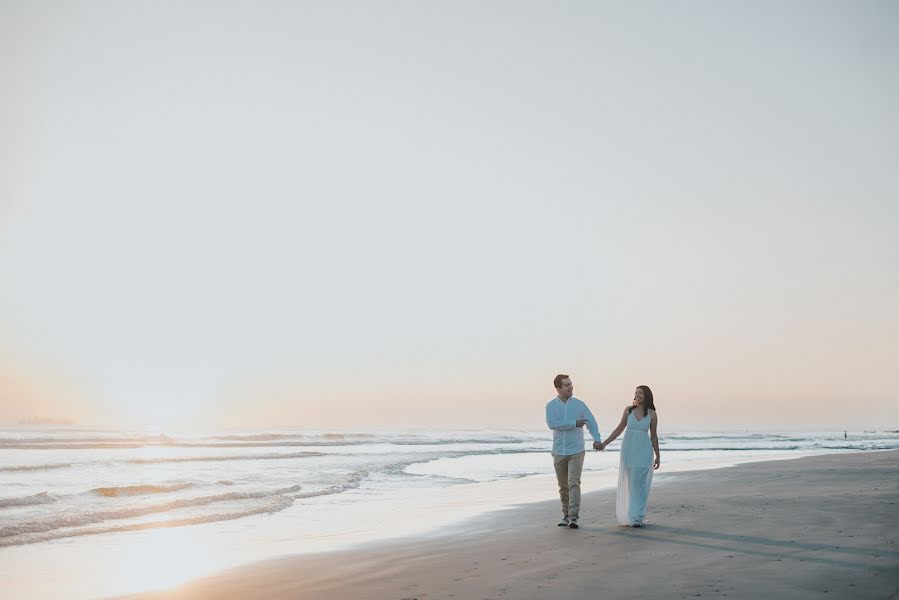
(598, 446)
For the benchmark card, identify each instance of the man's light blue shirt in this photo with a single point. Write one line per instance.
(562, 418)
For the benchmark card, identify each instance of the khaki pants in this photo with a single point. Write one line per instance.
(568, 474)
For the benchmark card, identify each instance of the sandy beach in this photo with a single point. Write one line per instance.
(807, 528)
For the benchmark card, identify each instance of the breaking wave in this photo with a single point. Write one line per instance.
(76, 520)
(34, 499)
(39, 530)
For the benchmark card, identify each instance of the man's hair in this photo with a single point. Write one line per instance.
(557, 380)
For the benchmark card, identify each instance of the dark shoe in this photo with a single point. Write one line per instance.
(637, 525)
(573, 524)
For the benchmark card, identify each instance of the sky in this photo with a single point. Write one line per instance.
(353, 215)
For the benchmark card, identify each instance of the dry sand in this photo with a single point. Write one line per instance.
(819, 527)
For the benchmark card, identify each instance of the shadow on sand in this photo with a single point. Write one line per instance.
(759, 546)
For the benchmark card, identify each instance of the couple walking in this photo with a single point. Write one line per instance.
(567, 416)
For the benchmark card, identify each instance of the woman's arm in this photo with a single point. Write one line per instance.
(653, 425)
(617, 431)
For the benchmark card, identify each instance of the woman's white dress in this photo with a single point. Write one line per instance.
(635, 471)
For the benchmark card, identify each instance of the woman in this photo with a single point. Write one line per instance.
(636, 465)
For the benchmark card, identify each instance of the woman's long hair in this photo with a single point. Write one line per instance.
(647, 400)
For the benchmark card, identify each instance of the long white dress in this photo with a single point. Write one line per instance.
(635, 471)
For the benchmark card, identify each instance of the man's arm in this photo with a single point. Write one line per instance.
(556, 423)
(592, 425)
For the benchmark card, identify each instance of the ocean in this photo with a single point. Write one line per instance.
(239, 496)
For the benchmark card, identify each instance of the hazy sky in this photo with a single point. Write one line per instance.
(414, 214)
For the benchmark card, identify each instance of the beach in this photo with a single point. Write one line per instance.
(813, 527)
(98, 514)
(313, 299)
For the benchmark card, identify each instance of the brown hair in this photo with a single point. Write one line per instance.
(557, 380)
(648, 402)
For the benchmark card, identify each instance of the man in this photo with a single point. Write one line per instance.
(566, 416)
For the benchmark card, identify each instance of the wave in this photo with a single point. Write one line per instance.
(125, 445)
(268, 505)
(732, 436)
(76, 520)
(451, 442)
(858, 447)
(292, 436)
(496, 452)
(134, 490)
(354, 481)
(519, 475)
(36, 467)
(81, 446)
(50, 524)
(242, 444)
(399, 467)
(224, 444)
(178, 459)
(35, 499)
(139, 441)
(86, 439)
